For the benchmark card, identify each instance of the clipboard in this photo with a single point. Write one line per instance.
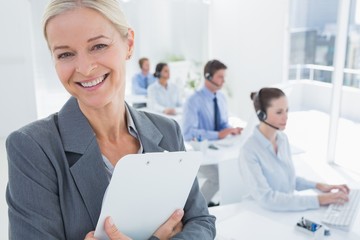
(145, 189)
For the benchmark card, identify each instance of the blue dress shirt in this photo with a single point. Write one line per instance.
(140, 83)
(198, 115)
(160, 98)
(271, 178)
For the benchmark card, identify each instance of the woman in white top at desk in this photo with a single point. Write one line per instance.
(265, 160)
(163, 96)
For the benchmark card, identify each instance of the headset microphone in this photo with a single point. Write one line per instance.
(215, 84)
(271, 125)
(262, 117)
(209, 78)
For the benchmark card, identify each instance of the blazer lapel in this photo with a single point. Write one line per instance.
(87, 170)
(149, 134)
(86, 164)
(90, 178)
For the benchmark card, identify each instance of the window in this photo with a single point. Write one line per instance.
(312, 39)
(325, 59)
(348, 133)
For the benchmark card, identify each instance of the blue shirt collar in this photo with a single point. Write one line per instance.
(264, 141)
(207, 92)
(144, 76)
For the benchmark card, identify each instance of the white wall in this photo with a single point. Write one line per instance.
(166, 28)
(17, 94)
(45, 74)
(151, 25)
(50, 93)
(250, 38)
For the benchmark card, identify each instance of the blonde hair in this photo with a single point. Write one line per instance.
(110, 9)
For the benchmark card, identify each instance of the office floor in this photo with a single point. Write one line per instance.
(305, 130)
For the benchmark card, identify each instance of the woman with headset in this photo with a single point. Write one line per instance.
(265, 161)
(164, 96)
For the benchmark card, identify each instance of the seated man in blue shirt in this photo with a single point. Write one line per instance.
(142, 80)
(206, 117)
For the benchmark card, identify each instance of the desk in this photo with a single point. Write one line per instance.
(247, 220)
(227, 148)
(231, 188)
(177, 117)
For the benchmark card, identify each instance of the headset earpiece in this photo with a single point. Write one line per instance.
(209, 70)
(208, 76)
(261, 115)
(157, 74)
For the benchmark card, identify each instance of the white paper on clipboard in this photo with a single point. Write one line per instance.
(145, 189)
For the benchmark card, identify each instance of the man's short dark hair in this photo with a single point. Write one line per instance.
(211, 67)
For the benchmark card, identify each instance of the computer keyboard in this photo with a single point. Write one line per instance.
(342, 216)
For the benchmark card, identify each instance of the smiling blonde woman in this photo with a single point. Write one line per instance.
(60, 167)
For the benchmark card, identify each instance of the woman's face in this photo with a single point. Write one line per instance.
(277, 113)
(89, 56)
(165, 72)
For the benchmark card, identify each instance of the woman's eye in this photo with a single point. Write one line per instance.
(99, 46)
(64, 55)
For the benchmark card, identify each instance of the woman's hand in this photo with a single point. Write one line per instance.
(167, 230)
(111, 230)
(339, 197)
(171, 227)
(328, 188)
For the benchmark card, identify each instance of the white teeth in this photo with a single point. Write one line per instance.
(93, 82)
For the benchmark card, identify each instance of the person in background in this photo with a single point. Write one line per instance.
(60, 166)
(142, 80)
(266, 164)
(205, 112)
(163, 96)
(205, 116)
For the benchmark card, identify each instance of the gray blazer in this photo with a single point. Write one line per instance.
(57, 177)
